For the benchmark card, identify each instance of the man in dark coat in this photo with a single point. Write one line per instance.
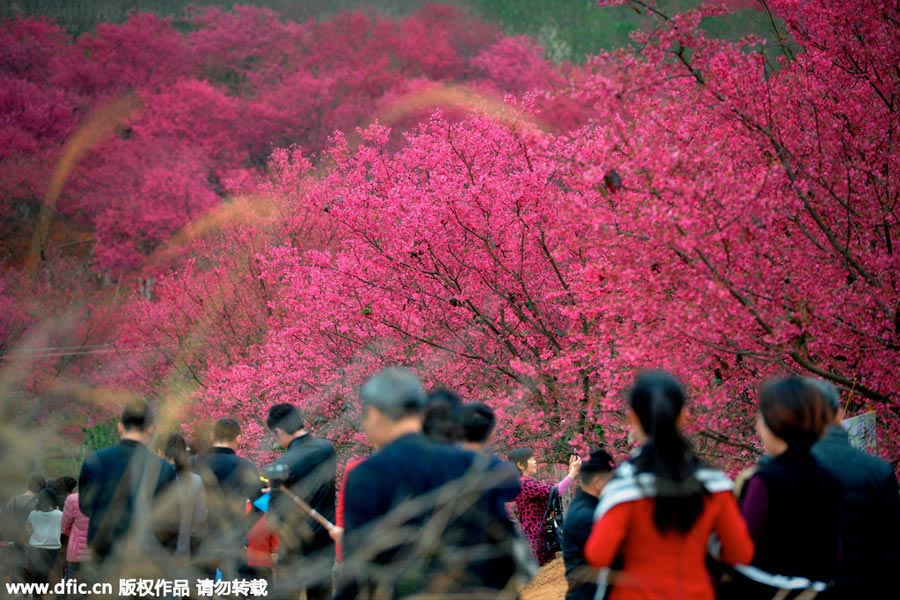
(419, 515)
(123, 493)
(230, 482)
(579, 519)
(12, 529)
(307, 471)
(17, 508)
(870, 519)
(477, 423)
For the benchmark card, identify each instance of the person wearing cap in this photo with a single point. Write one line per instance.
(870, 519)
(581, 578)
(417, 514)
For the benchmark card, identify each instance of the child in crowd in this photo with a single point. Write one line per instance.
(44, 524)
(262, 546)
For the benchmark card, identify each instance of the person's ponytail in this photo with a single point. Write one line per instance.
(668, 445)
(657, 399)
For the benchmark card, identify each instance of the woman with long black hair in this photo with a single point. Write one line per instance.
(191, 497)
(658, 512)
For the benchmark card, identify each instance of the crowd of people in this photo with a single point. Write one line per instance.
(432, 511)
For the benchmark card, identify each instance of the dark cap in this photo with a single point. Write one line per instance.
(599, 462)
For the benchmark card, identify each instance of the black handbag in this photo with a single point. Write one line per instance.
(552, 523)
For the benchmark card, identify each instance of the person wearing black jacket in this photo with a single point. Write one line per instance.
(870, 516)
(420, 516)
(307, 470)
(122, 492)
(477, 423)
(791, 504)
(12, 528)
(230, 482)
(580, 576)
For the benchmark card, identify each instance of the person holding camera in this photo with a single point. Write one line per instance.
(531, 503)
(302, 484)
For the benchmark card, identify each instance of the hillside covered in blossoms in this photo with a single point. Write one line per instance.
(233, 209)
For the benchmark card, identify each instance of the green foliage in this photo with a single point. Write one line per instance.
(227, 77)
(65, 458)
(743, 22)
(82, 16)
(99, 436)
(59, 466)
(574, 29)
(569, 30)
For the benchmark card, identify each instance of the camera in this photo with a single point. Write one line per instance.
(277, 474)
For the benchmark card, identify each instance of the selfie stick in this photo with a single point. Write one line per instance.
(328, 525)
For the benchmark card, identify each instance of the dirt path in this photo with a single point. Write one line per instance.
(548, 584)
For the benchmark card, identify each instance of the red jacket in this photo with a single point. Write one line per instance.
(262, 542)
(668, 565)
(339, 509)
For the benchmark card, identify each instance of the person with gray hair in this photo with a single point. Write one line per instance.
(870, 519)
(420, 516)
(829, 394)
(392, 403)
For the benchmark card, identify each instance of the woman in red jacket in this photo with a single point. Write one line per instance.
(657, 514)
